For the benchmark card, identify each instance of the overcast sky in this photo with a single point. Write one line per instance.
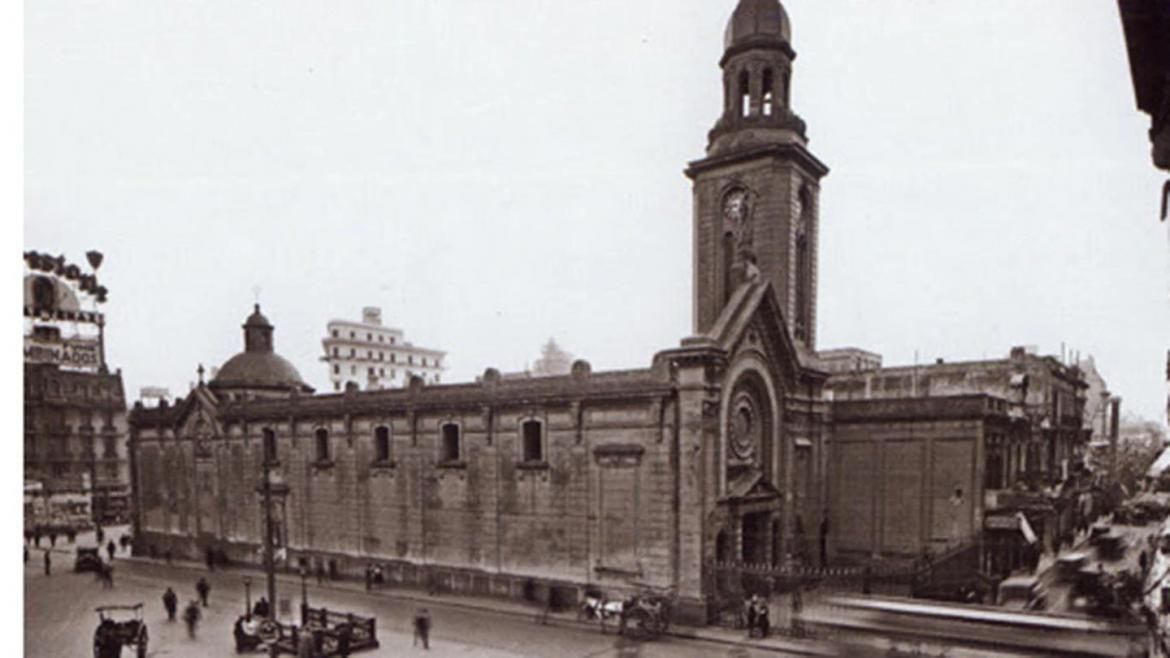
(495, 173)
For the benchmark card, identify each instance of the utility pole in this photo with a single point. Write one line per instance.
(269, 567)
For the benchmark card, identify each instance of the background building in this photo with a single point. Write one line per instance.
(372, 356)
(933, 457)
(75, 455)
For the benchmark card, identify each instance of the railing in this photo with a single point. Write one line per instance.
(731, 583)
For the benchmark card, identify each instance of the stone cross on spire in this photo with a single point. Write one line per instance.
(200, 371)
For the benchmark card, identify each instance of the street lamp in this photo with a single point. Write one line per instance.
(248, 598)
(304, 593)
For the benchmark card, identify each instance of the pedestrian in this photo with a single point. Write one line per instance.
(191, 617)
(28, 535)
(320, 573)
(37, 537)
(26, 554)
(107, 573)
(171, 603)
(48, 564)
(71, 535)
(762, 622)
(343, 632)
(210, 558)
(110, 548)
(797, 608)
(369, 576)
(203, 588)
(422, 628)
(305, 648)
(262, 608)
(101, 534)
(52, 539)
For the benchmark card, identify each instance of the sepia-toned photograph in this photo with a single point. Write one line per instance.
(675, 328)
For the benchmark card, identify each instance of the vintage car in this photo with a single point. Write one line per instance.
(1068, 566)
(112, 634)
(87, 559)
(1022, 592)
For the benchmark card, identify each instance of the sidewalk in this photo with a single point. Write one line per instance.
(519, 609)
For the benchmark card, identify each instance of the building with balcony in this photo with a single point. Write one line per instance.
(372, 356)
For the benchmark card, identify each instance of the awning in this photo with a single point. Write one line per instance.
(1160, 464)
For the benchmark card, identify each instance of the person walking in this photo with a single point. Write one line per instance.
(110, 548)
(343, 633)
(191, 617)
(171, 603)
(422, 628)
(53, 539)
(26, 554)
(203, 588)
(71, 535)
(101, 535)
(37, 537)
(107, 575)
(305, 648)
(48, 564)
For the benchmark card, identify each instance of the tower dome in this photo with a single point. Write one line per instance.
(258, 369)
(757, 21)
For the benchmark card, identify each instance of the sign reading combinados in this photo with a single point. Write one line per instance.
(70, 353)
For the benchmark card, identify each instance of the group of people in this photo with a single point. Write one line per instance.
(374, 576)
(755, 615)
(191, 613)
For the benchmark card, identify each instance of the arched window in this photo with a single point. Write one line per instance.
(722, 546)
(322, 444)
(769, 97)
(270, 454)
(382, 443)
(745, 94)
(533, 437)
(450, 450)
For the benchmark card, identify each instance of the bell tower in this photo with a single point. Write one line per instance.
(756, 191)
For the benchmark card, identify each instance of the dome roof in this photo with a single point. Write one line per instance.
(757, 20)
(257, 319)
(265, 370)
(258, 366)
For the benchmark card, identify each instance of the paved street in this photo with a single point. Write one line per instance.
(60, 618)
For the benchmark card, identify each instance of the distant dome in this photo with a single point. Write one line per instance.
(258, 367)
(264, 370)
(755, 21)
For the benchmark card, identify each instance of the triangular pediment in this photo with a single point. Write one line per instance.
(199, 416)
(751, 484)
(752, 318)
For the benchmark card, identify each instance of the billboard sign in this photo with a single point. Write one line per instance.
(75, 353)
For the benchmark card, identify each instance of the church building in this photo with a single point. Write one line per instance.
(610, 480)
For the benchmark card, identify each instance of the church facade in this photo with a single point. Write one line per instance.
(612, 480)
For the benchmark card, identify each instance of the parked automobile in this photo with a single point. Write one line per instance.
(87, 559)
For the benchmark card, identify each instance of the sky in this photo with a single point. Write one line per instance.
(492, 174)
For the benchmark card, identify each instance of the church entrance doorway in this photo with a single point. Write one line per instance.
(757, 538)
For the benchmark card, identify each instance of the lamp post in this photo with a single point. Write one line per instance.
(304, 593)
(268, 487)
(247, 598)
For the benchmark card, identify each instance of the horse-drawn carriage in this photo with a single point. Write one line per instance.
(644, 615)
(113, 634)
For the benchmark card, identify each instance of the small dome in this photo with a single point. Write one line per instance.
(259, 370)
(257, 319)
(757, 20)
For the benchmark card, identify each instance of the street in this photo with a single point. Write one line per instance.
(60, 617)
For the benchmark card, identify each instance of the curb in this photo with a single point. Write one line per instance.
(789, 647)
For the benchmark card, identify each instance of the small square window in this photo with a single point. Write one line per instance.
(335, 333)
